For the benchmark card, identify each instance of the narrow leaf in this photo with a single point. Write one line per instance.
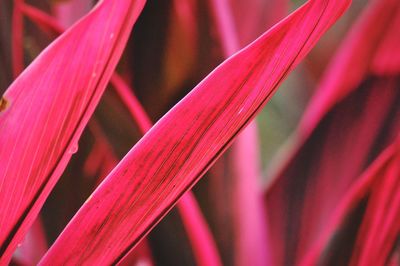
(252, 17)
(44, 111)
(33, 247)
(180, 147)
(251, 246)
(199, 234)
(102, 156)
(374, 198)
(352, 118)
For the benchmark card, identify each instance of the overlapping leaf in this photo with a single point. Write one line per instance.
(45, 110)
(33, 247)
(364, 228)
(102, 159)
(202, 242)
(250, 240)
(252, 17)
(177, 151)
(353, 117)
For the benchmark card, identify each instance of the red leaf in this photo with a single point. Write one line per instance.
(33, 247)
(68, 12)
(201, 240)
(251, 247)
(252, 17)
(353, 116)
(178, 150)
(380, 228)
(45, 110)
(102, 156)
(376, 194)
(141, 255)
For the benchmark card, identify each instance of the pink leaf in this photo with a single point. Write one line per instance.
(374, 197)
(102, 156)
(252, 17)
(180, 147)
(34, 245)
(44, 111)
(351, 119)
(251, 246)
(199, 234)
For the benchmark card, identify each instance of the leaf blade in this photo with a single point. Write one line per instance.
(178, 150)
(47, 108)
(318, 168)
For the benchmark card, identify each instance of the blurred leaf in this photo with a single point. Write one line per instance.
(364, 228)
(353, 116)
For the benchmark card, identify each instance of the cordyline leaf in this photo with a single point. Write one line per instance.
(141, 255)
(42, 19)
(252, 17)
(201, 240)
(368, 50)
(179, 148)
(44, 111)
(354, 99)
(364, 228)
(33, 247)
(102, 159)
(250, 243)
(380, 229)
(67, 12)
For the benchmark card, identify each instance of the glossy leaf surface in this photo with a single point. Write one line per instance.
(44, 111)
(177, 151)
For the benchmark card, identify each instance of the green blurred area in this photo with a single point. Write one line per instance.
(279, 119)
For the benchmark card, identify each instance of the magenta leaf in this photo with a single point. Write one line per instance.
(102, 159)
(180, 147)
(352, 118)
(33, 247)
(251, 247)
(366, 219)
(45, 110)
(253, 17)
